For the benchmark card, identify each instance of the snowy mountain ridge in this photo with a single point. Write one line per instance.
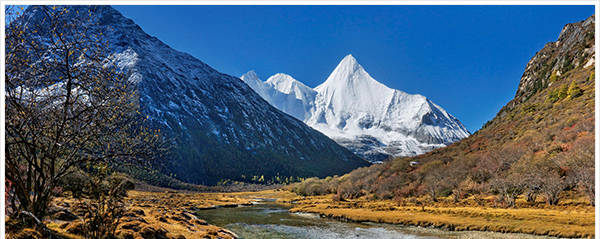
(371, 119)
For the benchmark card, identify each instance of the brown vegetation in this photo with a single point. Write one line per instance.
(145, 215)
(540, 146)
(572, 218)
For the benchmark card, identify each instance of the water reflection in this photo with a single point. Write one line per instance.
(269, 220)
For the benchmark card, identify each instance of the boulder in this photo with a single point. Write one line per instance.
(153, 233)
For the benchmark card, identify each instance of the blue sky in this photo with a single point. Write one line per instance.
(467, 59)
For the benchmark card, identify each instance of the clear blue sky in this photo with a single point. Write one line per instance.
(467, 59)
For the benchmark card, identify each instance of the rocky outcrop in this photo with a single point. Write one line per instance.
(574, 47)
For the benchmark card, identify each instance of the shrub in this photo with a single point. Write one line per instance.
(574, 90)
(509, 187)
(74, 183)
(558, 93)
(347, 190)
(310, 187)
(562, 91)
(102, 201)
(552, 96)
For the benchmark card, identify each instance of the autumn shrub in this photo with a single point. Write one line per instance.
(346, 190)
(407, 191)
(310, 187)
(574, 90)
(74, 183)
(102, 201)
(508, 188)
(330, 184)
(580, 160)
(385, 186)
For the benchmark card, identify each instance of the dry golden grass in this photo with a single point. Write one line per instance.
(169, 212)
(562, 221)
(278, 194)
(186, 200)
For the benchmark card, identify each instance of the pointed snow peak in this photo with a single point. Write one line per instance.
(348, 71)
(280, 78)
(348, 65)
(250, 76)
(349, 74)
(349, 60)
(286, 83)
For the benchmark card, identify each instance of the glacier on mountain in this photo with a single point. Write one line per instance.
(367, 117)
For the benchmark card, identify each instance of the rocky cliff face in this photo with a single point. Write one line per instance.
(574, 48)
(222, 128)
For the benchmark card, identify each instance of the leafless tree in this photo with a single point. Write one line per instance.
(580, 160)
(553, 184)
(433, 178)
(529, 176)
(551, 179)
(66, 105)
(509, 187)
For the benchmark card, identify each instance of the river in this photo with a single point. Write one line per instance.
(270, 220)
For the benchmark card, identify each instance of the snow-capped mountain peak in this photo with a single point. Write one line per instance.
(348, 64)
(284, 92)
(366, 116)
(252, 80)
(349, 89)
(250, 75)
(284, 82)
(287, 84)
(349, 74)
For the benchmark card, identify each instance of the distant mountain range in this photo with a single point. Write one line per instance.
(222, 129)
(367, 117)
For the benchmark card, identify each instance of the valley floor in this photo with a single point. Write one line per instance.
(572, 219)
(171, 215)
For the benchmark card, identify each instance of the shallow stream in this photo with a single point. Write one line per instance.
(270, 220)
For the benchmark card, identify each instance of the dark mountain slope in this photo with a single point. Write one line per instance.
(222, 129)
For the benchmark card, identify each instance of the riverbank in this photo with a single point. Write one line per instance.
(168, 214)
(560, 221)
